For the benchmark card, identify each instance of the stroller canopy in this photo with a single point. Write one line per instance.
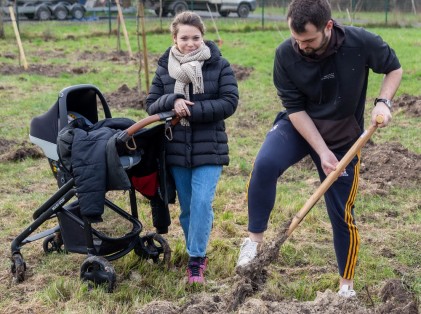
(80, 100)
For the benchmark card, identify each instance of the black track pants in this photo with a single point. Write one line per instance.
(284, 147)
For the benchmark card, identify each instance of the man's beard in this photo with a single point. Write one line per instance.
(312, 52)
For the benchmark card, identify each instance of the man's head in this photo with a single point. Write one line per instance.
(310, 23)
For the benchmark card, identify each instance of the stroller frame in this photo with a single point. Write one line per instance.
(99, 247)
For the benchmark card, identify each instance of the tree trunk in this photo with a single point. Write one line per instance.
(1, 20)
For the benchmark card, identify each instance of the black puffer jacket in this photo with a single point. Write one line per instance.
(90, 154)
(204, 142)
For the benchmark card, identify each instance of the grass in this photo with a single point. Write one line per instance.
(306, 262)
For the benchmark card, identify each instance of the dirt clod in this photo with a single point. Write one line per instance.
(126, 97)
(411, 105)
(13, 151)
(387, 165)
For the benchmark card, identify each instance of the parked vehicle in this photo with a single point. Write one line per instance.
(223, 7)
(46, 10)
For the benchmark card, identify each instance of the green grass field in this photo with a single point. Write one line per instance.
(306, 262)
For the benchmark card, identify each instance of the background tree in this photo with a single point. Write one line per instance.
(1, 20)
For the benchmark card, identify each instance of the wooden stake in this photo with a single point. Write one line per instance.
(15, 27)
(145, 48)
(126, 36)
(214, 25)
(413, 7)
(139, 70)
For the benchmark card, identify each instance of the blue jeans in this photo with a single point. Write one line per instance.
(196, 190)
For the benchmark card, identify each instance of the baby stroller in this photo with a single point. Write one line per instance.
(132, 154)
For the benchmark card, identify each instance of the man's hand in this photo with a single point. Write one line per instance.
(328, 161)
(382, 110)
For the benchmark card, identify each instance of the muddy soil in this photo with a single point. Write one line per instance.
(411, 105)
(126, 97)
(14, 151)
(42, 69)
(388, 165)
(395, 299)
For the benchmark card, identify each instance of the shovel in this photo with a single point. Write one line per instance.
(269, 253)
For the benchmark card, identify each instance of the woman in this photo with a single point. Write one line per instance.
(199, 85)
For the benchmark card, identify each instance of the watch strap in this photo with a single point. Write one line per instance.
(387, 102)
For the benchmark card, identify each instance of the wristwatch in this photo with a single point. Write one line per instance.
(387, 102)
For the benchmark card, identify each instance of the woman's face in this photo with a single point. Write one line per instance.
(188, 38)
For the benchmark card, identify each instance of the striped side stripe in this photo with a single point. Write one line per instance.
(354, 237)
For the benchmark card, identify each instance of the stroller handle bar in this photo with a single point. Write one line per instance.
(125, 135)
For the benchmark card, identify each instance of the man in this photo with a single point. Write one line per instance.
(321, 77)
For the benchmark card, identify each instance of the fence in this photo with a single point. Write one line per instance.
(390, 12)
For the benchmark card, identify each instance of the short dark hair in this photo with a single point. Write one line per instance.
(187, 18)
(301, 12)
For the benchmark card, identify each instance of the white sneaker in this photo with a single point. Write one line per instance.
(345, 292)
(248, 251)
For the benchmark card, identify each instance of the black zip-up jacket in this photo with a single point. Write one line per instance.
(205, 141)
(90, 154)
(332, 89)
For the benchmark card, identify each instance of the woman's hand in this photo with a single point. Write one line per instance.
(181, 107)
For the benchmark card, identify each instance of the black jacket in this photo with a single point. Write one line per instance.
(204, 142)
(332, 90)
(90, 154)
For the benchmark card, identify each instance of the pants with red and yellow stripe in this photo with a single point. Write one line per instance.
(282, 148)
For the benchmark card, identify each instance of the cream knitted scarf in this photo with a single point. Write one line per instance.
(187, 68)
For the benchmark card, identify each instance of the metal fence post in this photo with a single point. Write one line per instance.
(386, 9)
(109, 17)
(263, 14)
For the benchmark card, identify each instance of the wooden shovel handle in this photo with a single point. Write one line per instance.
(334, 175)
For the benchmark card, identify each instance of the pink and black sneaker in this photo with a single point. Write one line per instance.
(203, 263)
(195, 270)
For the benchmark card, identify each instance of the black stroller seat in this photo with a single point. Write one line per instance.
(135, 151)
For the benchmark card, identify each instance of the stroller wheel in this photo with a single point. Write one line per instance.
(99, 271)
(153, 246)
(18, 267)
(53, 243)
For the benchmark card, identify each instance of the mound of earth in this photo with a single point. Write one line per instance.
(13, 151)
(6, 145)
(410, 104)
(389, 164)
(43, 69)
(394, 295)
(241, 73)
(126, 97)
